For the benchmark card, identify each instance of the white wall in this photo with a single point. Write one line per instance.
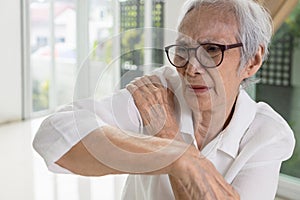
(172, 11)
(10, 58)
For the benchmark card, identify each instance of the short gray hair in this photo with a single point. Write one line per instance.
(255, 27)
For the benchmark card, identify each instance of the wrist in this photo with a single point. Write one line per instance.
(169, 132)
(180, 167)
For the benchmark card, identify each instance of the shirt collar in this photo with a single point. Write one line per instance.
(244, 113)
(229, 139)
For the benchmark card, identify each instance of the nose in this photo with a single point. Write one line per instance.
(193, 67)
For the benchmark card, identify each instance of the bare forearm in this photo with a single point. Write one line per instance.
(178, 188)
(111, 151)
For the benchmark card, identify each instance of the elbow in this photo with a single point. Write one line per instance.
(79, 161)
(41, 139)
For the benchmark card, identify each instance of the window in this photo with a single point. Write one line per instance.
(52, 52)
(75, 47)
(280, 87)
(62, 34)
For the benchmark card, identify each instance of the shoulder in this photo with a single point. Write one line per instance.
(270, 133)
(268, 120)
(165, 70)
(168, 74)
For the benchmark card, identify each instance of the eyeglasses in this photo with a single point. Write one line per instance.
(209, 55)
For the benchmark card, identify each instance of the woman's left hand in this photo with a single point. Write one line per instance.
(156, 106)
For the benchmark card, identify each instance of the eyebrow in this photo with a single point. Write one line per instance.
(205, 41)
(185, 42)
(210, 41)
(181, 40)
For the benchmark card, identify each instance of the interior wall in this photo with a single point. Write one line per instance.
(10, 56)
(171, 14)
(172, 11)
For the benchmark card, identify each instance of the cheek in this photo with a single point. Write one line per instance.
(231, 82)
(217, 75)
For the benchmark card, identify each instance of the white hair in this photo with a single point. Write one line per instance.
(255, 26)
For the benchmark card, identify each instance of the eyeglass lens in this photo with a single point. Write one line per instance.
(208, 55)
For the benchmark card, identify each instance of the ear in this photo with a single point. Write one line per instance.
(253, 64)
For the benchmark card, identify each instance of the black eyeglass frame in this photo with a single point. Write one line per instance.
(221, 46)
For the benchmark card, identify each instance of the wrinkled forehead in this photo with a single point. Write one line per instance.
(224, 12)
(208, 22)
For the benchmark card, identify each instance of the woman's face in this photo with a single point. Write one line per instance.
(210, 89)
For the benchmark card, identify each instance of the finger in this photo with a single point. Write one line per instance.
(159, 90)
(144, 84)
(138, 88)
(156, 81)
(138, 82)
(131, 88)
(146, 80)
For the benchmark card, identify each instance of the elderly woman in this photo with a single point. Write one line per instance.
(202, 136)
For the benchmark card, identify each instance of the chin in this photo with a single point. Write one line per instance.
(198, 103)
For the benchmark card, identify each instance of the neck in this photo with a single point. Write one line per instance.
(208, 124)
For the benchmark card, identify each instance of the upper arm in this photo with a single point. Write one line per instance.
(62, 130)
(263, 155)
(66, 128)
(257, 181)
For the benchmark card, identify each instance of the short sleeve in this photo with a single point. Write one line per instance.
(62, 130)
(268, 144)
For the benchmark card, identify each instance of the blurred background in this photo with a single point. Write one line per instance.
(55, 51)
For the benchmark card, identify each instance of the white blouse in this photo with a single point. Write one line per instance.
(248, 153)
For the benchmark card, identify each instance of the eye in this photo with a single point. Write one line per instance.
(211, 48)
(181, 53)
(178, 55)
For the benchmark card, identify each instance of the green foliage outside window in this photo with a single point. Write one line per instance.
(291, 26)
(40, 95)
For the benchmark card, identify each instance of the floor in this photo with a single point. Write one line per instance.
(23, 174)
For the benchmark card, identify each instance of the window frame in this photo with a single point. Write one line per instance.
(26, 75)
(82, 17)
(288, 187)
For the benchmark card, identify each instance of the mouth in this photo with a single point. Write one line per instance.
(198, 89)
